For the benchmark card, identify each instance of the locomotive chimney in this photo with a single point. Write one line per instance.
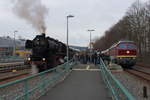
(43, 34)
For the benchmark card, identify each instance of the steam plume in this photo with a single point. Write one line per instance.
(33, 12)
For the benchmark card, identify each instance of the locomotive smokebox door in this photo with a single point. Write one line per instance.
(28, 44)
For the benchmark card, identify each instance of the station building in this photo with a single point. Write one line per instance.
(7, 47)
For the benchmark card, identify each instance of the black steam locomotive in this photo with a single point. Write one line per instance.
(46, 52)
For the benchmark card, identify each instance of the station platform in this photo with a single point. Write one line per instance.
(83, 83)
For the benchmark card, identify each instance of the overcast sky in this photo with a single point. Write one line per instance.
(99, 15)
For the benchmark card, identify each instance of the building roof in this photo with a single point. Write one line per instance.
(9, 42)
(78, 48)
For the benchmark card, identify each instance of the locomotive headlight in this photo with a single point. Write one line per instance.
(128, 52)
(29, 59)
(43, 59)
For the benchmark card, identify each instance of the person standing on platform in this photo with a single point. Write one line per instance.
(95, 58)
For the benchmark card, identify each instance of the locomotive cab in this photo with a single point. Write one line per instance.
(126, 54)
(123, 53)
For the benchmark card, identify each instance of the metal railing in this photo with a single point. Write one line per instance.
(34, 86)
(117, 90)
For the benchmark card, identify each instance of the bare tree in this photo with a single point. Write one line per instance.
(135, 26)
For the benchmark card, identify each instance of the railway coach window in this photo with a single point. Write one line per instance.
(122, 46)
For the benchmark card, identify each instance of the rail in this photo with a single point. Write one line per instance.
(11, 59)
(117, 90)
(13, 67)
(34, 86)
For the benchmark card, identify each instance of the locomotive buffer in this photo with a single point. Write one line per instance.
(83, 83)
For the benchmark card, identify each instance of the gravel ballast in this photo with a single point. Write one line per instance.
(133, 84)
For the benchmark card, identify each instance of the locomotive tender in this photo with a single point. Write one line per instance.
(46, 52)
(123, 53)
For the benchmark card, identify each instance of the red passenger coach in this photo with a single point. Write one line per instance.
(123, 53)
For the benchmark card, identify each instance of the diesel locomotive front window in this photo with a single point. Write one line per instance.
(131, 46)
(122, 46)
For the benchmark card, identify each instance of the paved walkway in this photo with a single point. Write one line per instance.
(84, 83)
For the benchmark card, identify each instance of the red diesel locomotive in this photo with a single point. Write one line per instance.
(123, 53)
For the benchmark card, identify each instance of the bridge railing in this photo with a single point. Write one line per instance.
(117, 90)
(34, 86)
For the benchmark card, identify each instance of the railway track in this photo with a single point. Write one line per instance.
(12, 76)
(143, 65)
(140, 72)
(13, 71)
(9, 67)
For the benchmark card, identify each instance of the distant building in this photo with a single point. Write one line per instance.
(7, 45)
(20, 49)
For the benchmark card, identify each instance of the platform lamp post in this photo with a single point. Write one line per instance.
(69, 16)
(90, 37)
(90, 43)
(15, 41)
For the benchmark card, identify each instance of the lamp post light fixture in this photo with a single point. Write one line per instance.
(14, 42)
(69, 16)
(90, 37)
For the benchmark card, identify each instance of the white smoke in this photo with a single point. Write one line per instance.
(34, 69)
(33, 11)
